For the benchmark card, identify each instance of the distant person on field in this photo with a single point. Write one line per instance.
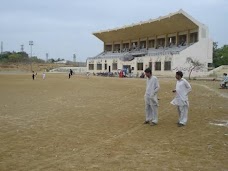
(71, 72)
(151, 99)
(33, 75)
(44, 75)
(181, 99)
(69, 75)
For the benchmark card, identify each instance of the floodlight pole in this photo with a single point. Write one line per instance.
(31, 44)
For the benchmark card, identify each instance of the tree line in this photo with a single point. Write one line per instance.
(18, 57)
(23, 57)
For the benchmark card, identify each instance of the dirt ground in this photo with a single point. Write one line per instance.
(97, 124)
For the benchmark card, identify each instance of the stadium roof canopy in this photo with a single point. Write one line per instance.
(172, 23)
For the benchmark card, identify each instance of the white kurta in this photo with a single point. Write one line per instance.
(181, 99)
(43, 76)
(151, 100)
(182, 90)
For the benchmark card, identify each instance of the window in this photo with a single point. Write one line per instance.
(171, 41)
(126, 45)
(91, 66)
(140, 66)
(151, 43)
(167, 65)
(132, 68)
(193, 37)
(150, 65)
(134, 45)
(210, 66)
(157, 66)
(108, 47)
(117, 47)
(161, 42)
(182, 40)
(143, 44)
(105, 66)
(114, 66)
(99, 66)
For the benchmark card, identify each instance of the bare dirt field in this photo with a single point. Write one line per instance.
(82, 124)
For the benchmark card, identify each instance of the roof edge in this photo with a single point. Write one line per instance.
(152, 20)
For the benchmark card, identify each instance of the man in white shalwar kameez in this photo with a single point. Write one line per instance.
(44, 75)
(151, 99)
(181, 99)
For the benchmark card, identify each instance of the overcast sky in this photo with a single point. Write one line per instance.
(62, 28)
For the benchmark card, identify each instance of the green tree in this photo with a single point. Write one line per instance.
(4, 57)
(14, 57)
(36, 60)
(220, 55)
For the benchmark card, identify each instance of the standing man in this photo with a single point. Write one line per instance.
(151, 99)
(33, 75)
(71, 72)
(44, 75)
(181, 99)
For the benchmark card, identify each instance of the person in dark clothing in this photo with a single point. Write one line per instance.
(33, 75)
(71, 72)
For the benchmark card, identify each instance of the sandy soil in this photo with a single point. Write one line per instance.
(96, 124)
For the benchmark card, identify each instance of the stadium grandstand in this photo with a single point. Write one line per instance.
(163, 44)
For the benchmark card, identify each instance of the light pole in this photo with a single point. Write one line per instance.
(31, 44)
(74, 59)
(46, 57)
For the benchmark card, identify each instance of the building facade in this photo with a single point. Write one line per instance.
(164, 44)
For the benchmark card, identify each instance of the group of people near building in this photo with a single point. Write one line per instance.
(181, 99)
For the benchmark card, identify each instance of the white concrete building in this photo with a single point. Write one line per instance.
(163, 44)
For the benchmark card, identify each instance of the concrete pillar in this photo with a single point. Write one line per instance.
(147, 42)
(112, 46)
(177, 39)
(138, 43)
(155, 42)
(121, 46)
(162, 65)
(188, 38)
(130, 44)
(153, 66)
(95, 66)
